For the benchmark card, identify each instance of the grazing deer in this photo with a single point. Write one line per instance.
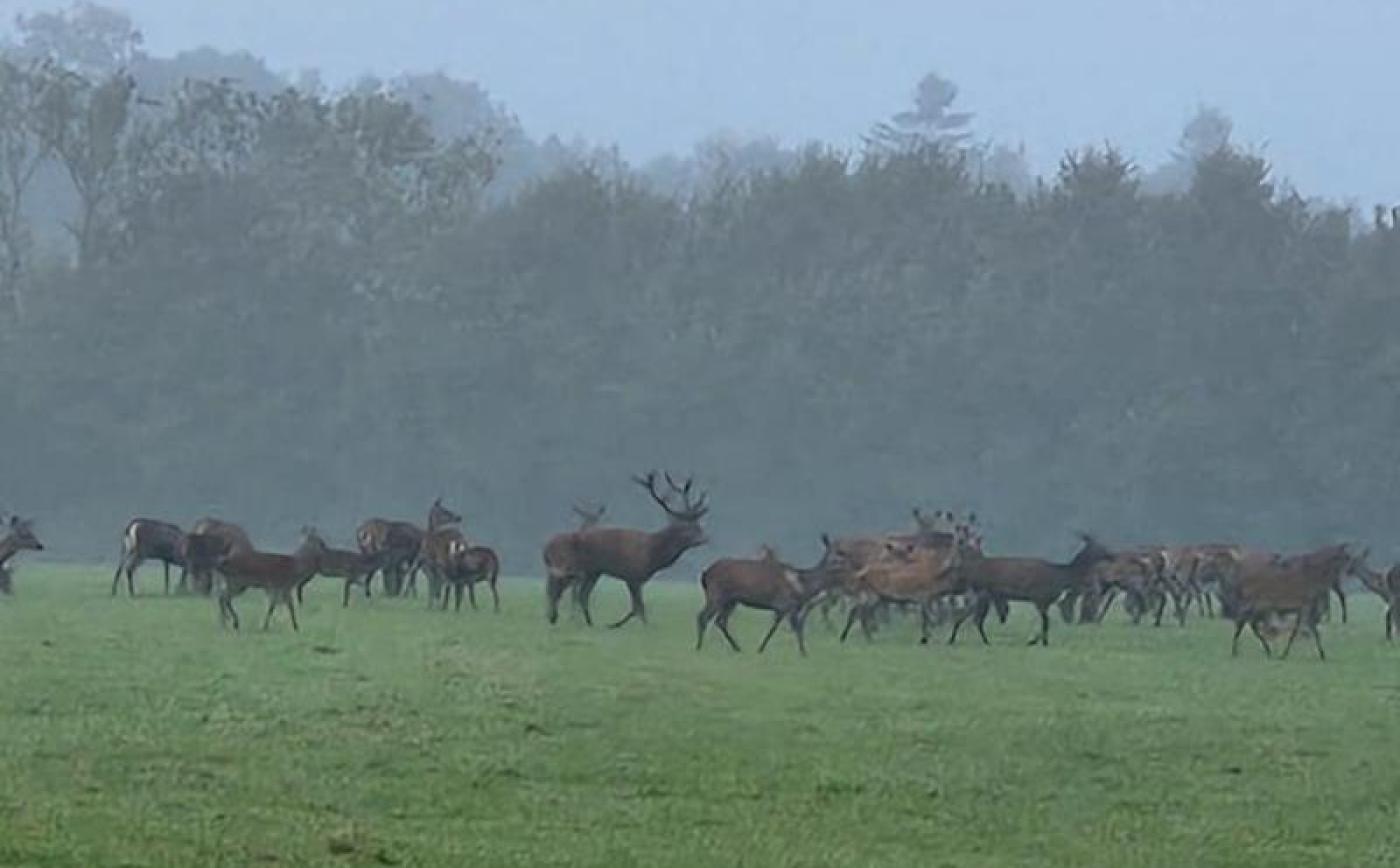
(146, 539)
(763, 583)
(215, 539)
(18, 536)
(1263, 586)
(352, 566)
(1028, 580)
(467, 565)
(278, 575)
(633, 556)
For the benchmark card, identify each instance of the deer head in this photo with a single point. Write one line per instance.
(21, 535)
(441, 516)
(685, 518)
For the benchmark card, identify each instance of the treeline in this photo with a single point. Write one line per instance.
(304, 307)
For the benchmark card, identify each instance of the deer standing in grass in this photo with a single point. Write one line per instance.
(18, 536)
(395, 545)
(278, 575)
(434, 556)
(213, 539)
(1384, 585)
(633, 556)
(1263, 586)
(918, 575)
(1027, 580)
(763, 583)
(353, 566)
(467, 565)
(146, 539)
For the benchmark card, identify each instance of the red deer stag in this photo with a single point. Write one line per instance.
(352, 566)
(763, 583)
(1263, 586)
(1027, 580)
(278, 575)
(633, 556)
(213, 539)
(18, 536)
(146, 539)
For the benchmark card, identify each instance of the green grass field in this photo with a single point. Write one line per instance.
(136, 732)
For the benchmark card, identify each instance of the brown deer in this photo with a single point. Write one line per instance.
(353, 566)
(215, 538)
(589, 514)
(1384, 585)
(18, 536)
(396, 546)
(278, 575)
(633, 556)
(763, 583)
(918, 575)
(467, 565)
(434, 555)
(1263, 586)
(1028, 580)
(146, 539)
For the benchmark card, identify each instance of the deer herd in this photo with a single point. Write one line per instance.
(939, 572)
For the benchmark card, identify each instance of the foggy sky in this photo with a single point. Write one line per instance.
(1312, 84)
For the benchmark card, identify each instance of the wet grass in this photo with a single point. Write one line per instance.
(135, 732)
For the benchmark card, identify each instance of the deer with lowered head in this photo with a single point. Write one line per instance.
(16, 536)
(1026, 580)
(276, 574)
(633, 556)
(146, 539)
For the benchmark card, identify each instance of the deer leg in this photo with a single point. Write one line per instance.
(345, 598)
(638, 609)
(850, 621)
(292, 610)
(1235, 643)
(979, 617)
(1067, 606)
(722, 622)
(585, 597)
(1293, 634)
(702, 620)
(963, 614)
(1044, 637)
(1389, 621)
(1341, 600)
(1317, 640)
(117, 576)
(554, 586)
(471, 595)
(271, 607)
(772, 628)
(798, 620)
(166, 564)
(495, 597)
(1254, 625)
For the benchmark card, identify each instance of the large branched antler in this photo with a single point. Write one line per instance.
(690, 510)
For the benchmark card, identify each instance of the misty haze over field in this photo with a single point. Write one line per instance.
(1130, 268)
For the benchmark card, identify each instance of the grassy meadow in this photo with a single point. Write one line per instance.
(136, 732)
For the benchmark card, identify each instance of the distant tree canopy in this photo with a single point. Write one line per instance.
(291, 306)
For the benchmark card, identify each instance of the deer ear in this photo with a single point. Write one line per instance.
(826, 541)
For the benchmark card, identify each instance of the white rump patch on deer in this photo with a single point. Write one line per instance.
(456, 548)
(131, 530)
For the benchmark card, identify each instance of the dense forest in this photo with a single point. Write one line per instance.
(278, 303)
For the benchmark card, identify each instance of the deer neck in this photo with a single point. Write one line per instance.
(8, 548)
(667, 546)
